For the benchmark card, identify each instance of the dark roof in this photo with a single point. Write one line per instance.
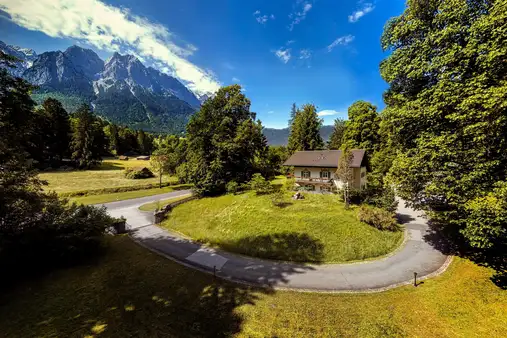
(323, 158)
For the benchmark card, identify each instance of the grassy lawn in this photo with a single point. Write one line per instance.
(131, 292)
(317, 229)
(160, 204)
(108, 175)
(120, 196)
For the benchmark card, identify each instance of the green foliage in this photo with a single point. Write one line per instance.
(336, 139)
(361, 129)
(289, 184)
(486, 224)
(278, 198)
(447, 108)
(232, 187)
(88, 138)
(272, 163)
(138, 173)
(293, 112)
(378, 218)
(305, 130)
(260, 185)
(225, 142)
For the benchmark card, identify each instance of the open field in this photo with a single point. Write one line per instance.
(160, 204)
(133, 292)
(108, 175)
(316, 229)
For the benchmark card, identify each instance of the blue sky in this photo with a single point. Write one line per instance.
(325, 52)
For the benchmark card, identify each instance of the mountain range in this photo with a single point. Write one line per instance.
(120, 89)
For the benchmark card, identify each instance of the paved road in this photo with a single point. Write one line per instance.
(416, 255)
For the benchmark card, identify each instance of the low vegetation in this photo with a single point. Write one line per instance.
(158, 205)
(378, 218)
(133, 292)
(316, 229)
(138, 173)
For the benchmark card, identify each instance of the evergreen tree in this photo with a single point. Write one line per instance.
(293, 112)
(224, 142)
(361, 129)
(88, 138)
(336, 139)
(305, 131)
(446, 103)
(58, 138)
(111, 132)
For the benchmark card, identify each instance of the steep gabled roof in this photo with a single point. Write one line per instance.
(323, 158)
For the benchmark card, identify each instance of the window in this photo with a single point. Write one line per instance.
(305, 174)
(325, 174)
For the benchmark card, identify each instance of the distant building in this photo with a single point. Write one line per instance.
(316, 170)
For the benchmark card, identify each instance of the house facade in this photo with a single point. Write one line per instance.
(316, 170)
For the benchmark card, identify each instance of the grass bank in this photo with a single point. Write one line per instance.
(316, 229)
(133, 292)
(120, 196)
(160, 204)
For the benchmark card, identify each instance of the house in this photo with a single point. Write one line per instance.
(316, 170)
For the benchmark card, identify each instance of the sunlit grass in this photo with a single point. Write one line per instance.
(316, 229)
(132, 292)
(110, 174)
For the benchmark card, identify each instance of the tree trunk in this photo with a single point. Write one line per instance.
(160, 180)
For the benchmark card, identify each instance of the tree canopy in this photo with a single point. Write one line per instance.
(361, 129)
(336, 138)
(447, 110)
(225, 142)
(305, 130)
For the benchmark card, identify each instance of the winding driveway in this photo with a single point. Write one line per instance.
(415, 255)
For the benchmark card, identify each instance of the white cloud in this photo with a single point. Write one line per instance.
(342, 40)
(328, 112)
(299, 16)
(262, 19)
(305, 54)
(365, 9)
(283, 54)
(235, 80)
(112, 29)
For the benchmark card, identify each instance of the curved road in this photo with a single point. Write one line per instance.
(415, 255)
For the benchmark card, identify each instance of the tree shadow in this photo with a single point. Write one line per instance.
(286, 246)
(283, 205)
(404, 218)
(449, 241)
(108, 166)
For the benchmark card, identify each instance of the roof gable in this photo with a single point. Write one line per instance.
(323, 158)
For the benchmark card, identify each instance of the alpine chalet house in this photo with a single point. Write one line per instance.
(316, 170)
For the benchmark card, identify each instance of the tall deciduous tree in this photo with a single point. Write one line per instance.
(336, 139)
(224, 142)
(362, 127)
(88, 138)
(345, 173)
(305, 131)
(447, 105)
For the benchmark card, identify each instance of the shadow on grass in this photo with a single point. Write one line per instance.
(132, 292)
(108, 166)
(450, 242)
(286, 246)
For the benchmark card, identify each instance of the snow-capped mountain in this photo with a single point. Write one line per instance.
(121, 89)
(25, 55)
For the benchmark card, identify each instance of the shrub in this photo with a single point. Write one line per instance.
(378, 218)
(138, 173)
(260, 185)
(290, 184)
(278, 198)
(232, 187)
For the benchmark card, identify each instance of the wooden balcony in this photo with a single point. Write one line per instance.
(313, 180)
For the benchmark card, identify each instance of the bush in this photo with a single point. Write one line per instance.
(232, 187)
(289, 185)
(378, 218)
(260, 185)
(138, 173)
(278, 198)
